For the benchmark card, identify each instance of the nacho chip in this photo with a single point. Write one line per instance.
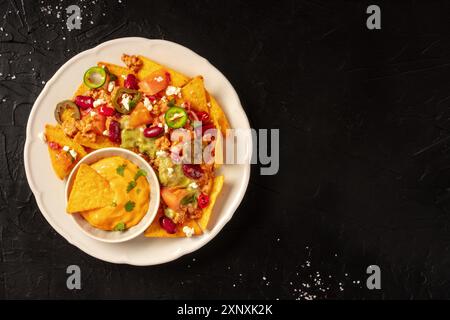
(81, 91)
(118, 71)
(217, 115)
(150, 66)
(194, 92)
(156, 231)
(217, 187)
(89, 191)
(100, 142)
(60, 163)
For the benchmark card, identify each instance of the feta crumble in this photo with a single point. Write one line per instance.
(73, 153)
(98, 102)
(161, 153)
(111, 85)
(166, 128)
(170, 171)
(66, 148)
(159, 79)
(93, 113)
(173, 91)
(106, 133)
(126, 101)
(188, 231)
(148, 104)
(193, 185)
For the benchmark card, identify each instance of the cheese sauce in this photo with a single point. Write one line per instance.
(128, 206)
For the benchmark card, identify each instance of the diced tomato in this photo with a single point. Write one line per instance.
(54, 145)
(155, 82)
(172, 197)
(139, 116)
(203, 200)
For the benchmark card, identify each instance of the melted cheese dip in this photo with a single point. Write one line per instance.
(109, 217)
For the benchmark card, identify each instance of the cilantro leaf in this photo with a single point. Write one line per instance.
(121, 169)
(131, 185)
(129, 206)
(140, 173)
(190, 198)
(119, 227)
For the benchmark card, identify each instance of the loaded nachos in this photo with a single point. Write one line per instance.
(162, 115)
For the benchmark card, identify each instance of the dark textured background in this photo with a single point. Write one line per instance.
(365, 169)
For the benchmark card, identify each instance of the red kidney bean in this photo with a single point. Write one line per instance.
(168, 225)
(203, 200)
(114, 131)
(203, 116)
(106, 111)
(131, 82)
(153, 132)
(206, 127)
(193, 171)
(84, 102)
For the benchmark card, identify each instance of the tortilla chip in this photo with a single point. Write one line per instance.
(62, 164)
(150, 66)
(100, 142)
(89, 191)
(81, 91)
(218, 116)
(194, 92)
(61, 167)
(156, 231)
(216, 188)
(118, 71)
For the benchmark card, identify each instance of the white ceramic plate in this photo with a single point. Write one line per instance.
(49, 190)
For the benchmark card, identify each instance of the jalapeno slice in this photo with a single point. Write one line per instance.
(66, 108)
(175, 117)
(132, 99)
(95, 77)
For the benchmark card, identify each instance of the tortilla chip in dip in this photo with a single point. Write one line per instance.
(128, 195)
(89, 191)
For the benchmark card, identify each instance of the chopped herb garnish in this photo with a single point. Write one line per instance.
(121, 169)
(129, 206)
(119, 227)
(191, 198)
(131, 185)
(140, 173)
(171, 103)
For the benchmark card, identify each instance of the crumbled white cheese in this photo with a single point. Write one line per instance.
(159, 79)
(98, 102)
(170, 171)
(166, 128)
(106, 133)
(208, 104)
(41, 136)
(160, 125)
(173, 91)
(93, 113)
(126, 101)
(73, 153)
(111, 85)
(66, 148)
(161, 153)
(142, 129)
(148, 104)
(188, 231)
(193, 185)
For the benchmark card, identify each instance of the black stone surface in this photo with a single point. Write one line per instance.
(365, 164)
